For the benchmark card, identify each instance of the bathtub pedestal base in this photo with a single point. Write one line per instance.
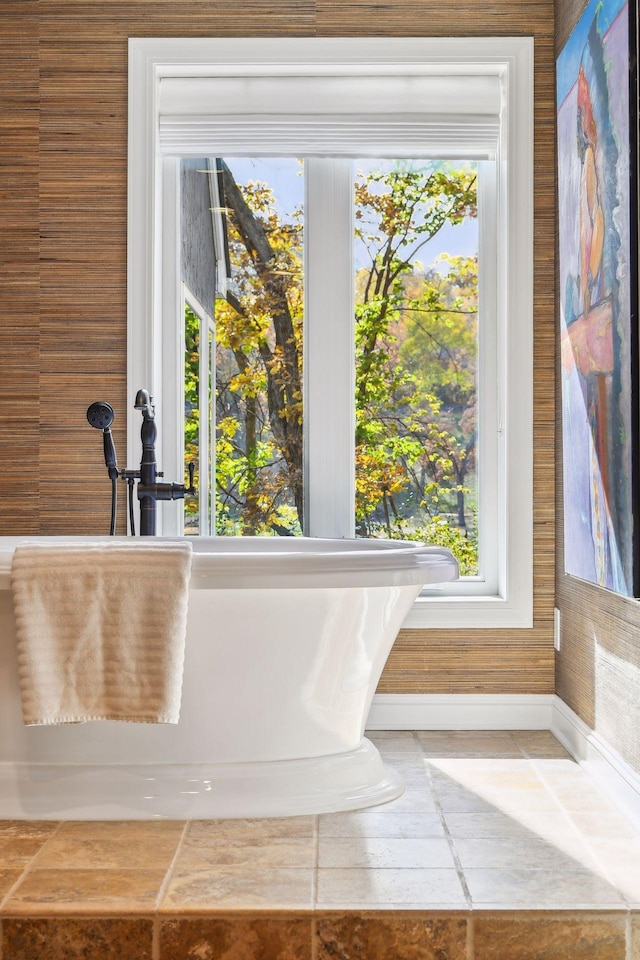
(345, 781)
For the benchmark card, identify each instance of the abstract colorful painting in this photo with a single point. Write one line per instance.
(597, 152)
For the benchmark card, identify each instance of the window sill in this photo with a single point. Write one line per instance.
(470, 613)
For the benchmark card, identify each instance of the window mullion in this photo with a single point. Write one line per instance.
(329, 349)
(166, 374)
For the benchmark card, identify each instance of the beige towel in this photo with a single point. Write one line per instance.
(101, 630)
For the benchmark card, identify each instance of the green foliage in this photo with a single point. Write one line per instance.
(416, 354)
(191, 405)
(462, 543)
(259, 368)
(416, 358)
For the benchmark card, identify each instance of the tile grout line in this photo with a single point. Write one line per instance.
(155, 939)
(471, 945)
(628, 934)
(169, 872)
(448, 837)
(316, 862)
(28, 868)
(519, 746)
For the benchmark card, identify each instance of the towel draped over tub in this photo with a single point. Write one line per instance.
(101, 630)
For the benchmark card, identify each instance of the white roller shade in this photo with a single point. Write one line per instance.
(418, 115)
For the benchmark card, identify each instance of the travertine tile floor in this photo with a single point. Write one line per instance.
(490, 823)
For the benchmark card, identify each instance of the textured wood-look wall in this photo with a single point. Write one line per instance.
(19, 268)
(68, 345)
(598, 667)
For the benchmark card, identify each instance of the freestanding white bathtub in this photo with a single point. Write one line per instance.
(286, 641)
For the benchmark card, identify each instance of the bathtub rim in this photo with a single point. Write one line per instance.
(285, 562)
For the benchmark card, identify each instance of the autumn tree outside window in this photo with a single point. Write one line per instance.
(415, 333)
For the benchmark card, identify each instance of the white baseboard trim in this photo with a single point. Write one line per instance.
(612, 774)
(410, 711)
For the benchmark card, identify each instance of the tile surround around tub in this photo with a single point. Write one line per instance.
(236, 938)
(404, 937)
(530, 937)
(59, 938)
(500, 849)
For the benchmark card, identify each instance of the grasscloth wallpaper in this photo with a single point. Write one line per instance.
(598, 667)
(63, 119)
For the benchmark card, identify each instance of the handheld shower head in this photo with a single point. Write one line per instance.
(100, 415)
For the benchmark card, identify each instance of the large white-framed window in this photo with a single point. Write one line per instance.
(331, 100)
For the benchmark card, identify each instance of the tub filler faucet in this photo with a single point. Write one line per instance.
(149, 490)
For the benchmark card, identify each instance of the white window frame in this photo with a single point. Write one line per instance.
(206, 431)
(154, 290)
